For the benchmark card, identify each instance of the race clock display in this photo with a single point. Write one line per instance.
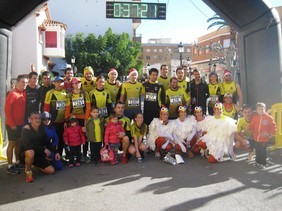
(135, 10)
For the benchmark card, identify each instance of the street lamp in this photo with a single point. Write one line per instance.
(73, 62)
(180, 50)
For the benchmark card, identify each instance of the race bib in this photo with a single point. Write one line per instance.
(60, 105)
(103, 111)
(78, 102)
(151, 97)
(133, 102)
(175, 100)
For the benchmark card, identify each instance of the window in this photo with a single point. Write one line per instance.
(160, 50)
(51, 39)
(188, 50)
(148, 58)
(148, 50)
(155, 50)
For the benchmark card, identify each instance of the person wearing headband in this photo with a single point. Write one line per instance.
(219, 139)
(185, 129)
(160, 136)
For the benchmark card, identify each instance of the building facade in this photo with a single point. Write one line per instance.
(35, 40)
(161, 51)
(213, 51)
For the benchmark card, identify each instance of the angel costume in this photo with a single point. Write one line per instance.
(158, 129)
(220, 136)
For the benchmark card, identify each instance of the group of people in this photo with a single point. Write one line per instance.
(70, 113)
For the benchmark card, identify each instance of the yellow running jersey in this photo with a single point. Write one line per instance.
(242, 126)
(101, 99)
(86, 85)
(175, 98)
(132, 95)
(55, 103)
(164, 81)
(112, 89)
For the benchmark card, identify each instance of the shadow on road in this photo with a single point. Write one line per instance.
(166, 178)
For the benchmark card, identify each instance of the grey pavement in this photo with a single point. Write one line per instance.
(153, 185)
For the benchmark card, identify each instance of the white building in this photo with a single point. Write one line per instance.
(36, 39)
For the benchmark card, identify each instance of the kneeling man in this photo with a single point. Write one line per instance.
(36, 147)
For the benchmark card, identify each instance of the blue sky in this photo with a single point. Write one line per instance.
(182, 24)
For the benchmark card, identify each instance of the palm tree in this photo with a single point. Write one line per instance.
(217, 21)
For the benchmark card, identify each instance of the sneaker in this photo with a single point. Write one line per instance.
(124, 159)
(251, 155)
(12, 170)
(70, 165)
(28, 176)
(140, 160)
(19, 166)
(157, 155)
(77, 164)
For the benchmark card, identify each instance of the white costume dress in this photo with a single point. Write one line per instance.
(220, 136)
(183, 132)
(157, 129)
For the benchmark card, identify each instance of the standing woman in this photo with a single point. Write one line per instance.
(214, 91)
(78, 104)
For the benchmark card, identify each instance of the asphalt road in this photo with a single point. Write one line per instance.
(153, 185)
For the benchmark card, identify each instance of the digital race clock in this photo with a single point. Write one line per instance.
(135, 10)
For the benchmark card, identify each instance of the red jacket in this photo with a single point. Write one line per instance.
(15, 108)
(73, 136)
(111, 133)
(262, 124)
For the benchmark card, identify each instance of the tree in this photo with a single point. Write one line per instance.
(104, 52)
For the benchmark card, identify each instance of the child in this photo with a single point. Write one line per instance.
(54, 140)
(94, 133)
(138, 130)
(74, 137)
(113, 128)
(264, 128)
